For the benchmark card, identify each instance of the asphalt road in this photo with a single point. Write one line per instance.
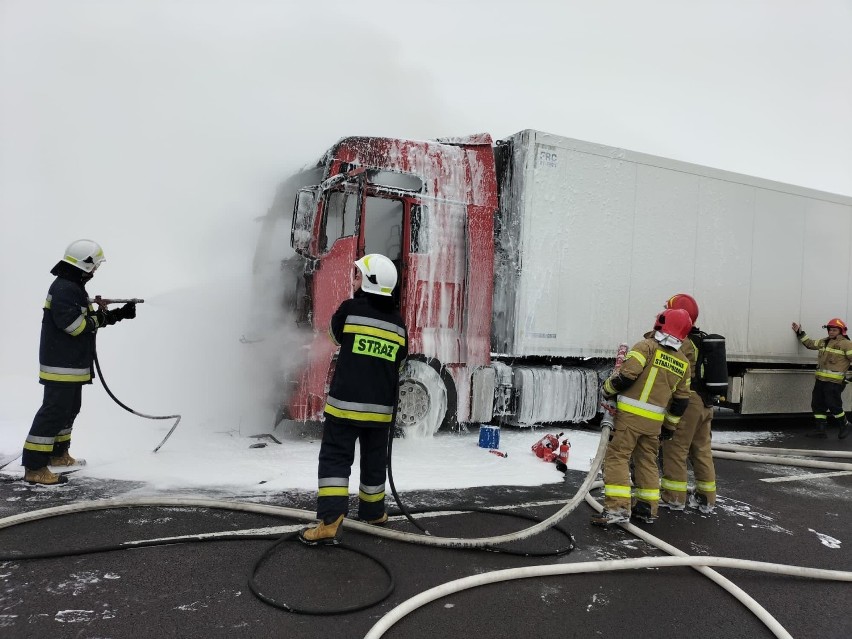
(191, 590)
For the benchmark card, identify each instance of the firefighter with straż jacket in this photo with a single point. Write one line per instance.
(652, 389)
(692, 438)
(361, 402)
(835, 355)
(66, 354)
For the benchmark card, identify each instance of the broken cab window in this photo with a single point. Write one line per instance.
(304, 212)
(340, 216)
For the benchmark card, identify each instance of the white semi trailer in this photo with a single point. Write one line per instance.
(605, 236)
(525, 263)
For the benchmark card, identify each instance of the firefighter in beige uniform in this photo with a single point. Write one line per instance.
(692, 437)
(653, 391)
(835, 355)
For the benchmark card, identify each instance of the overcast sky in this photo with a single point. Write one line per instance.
(160, 129)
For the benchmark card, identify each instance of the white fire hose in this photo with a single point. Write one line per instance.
(702, 564)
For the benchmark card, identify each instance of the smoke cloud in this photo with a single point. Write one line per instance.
(164, 129)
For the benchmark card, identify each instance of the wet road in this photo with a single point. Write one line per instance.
(200, 589)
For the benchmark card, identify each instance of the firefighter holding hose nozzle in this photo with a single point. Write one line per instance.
(66, 356)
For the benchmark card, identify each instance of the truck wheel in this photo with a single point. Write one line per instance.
(427, 398)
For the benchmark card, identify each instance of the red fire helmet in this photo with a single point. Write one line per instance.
(836, 322)
(686, 302)
(675, 322)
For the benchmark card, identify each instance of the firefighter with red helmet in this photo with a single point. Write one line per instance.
(835, 356)
(691, 440)
(652, 391)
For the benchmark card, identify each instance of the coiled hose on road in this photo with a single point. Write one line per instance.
(702, 564)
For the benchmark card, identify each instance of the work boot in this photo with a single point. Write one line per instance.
(322, 533)
(642, 512)
(43, 476)
(698, 501)
(844, 430)
(672, 505)
(607, 517)
(65, 459)
(378, 521)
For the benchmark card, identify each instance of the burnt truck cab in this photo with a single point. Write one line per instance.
(429, 207)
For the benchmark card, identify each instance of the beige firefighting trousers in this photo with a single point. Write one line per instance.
(628, 440)
(692, 440)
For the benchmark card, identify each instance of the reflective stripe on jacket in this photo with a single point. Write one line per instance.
(834, 357)
(68, 326)
(373, 346)
(658, 375)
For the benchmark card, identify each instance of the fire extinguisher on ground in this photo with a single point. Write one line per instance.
(562, 458)
(564, 449)
(546, 447)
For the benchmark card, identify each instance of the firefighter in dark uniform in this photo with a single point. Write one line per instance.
(361, 400)
(652, 389)
(835, 355)
(66, 355)
(692, 438)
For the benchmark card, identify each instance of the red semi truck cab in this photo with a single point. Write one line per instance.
(429, 207)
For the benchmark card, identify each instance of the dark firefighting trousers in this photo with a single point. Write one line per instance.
(826, 403)
(337, 453)
(628, 442)
(691, 440)
(50, 434)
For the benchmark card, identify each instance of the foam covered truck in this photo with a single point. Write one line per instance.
(524, 263)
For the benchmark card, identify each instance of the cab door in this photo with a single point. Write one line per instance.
(337, 247)
(426, 240)
(381, 231)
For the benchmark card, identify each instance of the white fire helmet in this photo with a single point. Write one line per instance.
(86, 255)
(378, 274)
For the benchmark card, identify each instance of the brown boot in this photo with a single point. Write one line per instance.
(43, 476)
(322, 533)
(378, 521)
(65, 459)
(607, 517)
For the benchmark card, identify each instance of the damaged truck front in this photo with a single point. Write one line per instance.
(428, 206)
(524, 264)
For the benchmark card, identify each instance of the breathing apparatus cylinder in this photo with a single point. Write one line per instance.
(714, 364)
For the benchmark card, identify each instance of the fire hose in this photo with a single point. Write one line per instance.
(137, 413)
(103, 303)
(702, 564)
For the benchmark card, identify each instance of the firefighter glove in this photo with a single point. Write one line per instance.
(102, 318)
(128, 311)
(666, 434)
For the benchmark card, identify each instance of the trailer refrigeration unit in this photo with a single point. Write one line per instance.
(524, 264)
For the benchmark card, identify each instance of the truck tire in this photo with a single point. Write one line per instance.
(427, 397)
